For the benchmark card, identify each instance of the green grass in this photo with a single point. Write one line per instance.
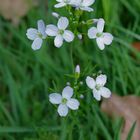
(27, 76)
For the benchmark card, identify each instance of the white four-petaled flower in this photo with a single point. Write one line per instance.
(60, 32)
(97, 87)
(62, 3)
(83, 4)
(37, 35)
(102, 38)
(65, 101)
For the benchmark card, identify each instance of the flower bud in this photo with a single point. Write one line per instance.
(81, 83)
(79, 36)
(77, 71)
(68, 83)
(82, 96)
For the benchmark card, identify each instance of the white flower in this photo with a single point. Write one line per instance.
(60, 32)
(37, 35)
(97, 87)
(62, 3)
(64, 101)
(102, 38)
(83, 4)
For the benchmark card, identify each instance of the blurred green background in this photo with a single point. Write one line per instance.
(26, 75)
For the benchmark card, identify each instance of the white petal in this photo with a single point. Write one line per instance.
(42, 28)
(62, 110)
(63, 23)
(100, 43)
(56, 15)
(101, 80)
(92, 32)
(31, 33)
(100, 25)
(68, 36)
(87, 9)
(75, 3)
(58, 41)
(108, 38)
(67, 92)
(51, 30)
(87, 2)
(37, 43)
(55, 98)
(90, 82)
(105, 92)
(73, 104)
(96, 95)
(59, 5)
(95, 20)
(59, 0)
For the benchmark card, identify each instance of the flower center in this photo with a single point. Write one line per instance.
(66, 1)
(39, 35)
(64, 101)
(99, 34)
(97, 87)
(61, 32)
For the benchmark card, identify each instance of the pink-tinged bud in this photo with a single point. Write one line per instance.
(77, 72)
(77, 69)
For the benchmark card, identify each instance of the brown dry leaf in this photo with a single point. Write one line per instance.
(15, 9)
(136, 45)
(127, 107)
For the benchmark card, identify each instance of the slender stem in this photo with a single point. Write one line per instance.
(71, 57)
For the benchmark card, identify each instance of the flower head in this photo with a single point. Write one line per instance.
(83, 4)
(62, 3)
(102, 38)
(65, 101)
(60, 32)
(97, 87)
(37, 35)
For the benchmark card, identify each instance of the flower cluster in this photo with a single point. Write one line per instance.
(78, 4)
(66, 30)
(66, 102)
(63, 31)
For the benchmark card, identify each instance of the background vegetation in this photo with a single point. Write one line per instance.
(26, 75)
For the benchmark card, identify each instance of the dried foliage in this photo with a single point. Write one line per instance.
(15, 9)
(136, 45)
(127, 107)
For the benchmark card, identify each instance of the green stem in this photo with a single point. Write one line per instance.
(71, 57)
